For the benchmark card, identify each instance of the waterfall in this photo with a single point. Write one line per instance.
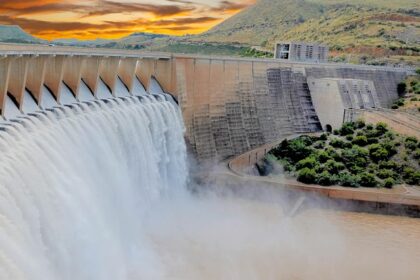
(76, 181)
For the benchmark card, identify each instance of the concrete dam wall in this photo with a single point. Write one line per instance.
(230, 105)
(234, 105)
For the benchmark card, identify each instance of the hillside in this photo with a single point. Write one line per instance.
(375, 32)
(15, 34)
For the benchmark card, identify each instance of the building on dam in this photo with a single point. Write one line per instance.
(300, 51)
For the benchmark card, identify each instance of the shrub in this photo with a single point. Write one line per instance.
(334, 167)
(347, 129)
(295, 150)
(319, 145)
(349, 138)
(414, 99)
(368, 180)
(389, 183)
(377, 152)
(390, 146)
(325, 179)
(388, 165)
(416, 154)
(414, 179)
(400, 102)
(360, 124)
(346, 179)
(338, 143)
(381, 128)
(307, 176)
(323, 156)
(394, 106)
(354, 154)
(336, 132)
(390, 135)
(360, 140)
(323, 137)
(386, 173)
(309, 162)
(369, 127)
(411, 143)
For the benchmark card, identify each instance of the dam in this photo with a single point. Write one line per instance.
(94, 171)
(229, 105)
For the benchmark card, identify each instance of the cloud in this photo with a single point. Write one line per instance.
(87, 18)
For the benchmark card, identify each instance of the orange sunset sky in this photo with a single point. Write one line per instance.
(91, 19)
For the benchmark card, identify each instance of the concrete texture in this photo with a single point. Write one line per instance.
(230, 105)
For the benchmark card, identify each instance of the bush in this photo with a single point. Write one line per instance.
(360, 124)
(323, 137)
(377, 152)
(394, 106)
(337, 143)
(416, 154)
(414, 179)
(333, 167)
(389, 183)
(307, 176)
(411, 143)
(360, 141)
(349, 138)
(386, 173)
(336, 132)
(325, 179)
(323, 156)
(295, 150)
(381, 128)
(346, 179)
(347, 129)
(368, 180)
(389, 165)
(309, 162)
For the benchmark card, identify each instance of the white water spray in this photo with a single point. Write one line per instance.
(75, 183)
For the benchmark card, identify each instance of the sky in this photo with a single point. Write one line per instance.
(109, 19)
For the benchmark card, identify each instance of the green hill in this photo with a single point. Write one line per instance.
(371, 31)
(15, 34)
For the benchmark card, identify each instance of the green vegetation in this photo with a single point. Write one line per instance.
(409, 92)
(368, 32)
(358, 155)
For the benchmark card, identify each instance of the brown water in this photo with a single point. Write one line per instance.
(238, 239)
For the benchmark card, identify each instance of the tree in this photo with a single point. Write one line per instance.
(307, 176)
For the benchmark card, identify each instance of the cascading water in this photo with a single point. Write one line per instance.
(96, 191)
(75, 183)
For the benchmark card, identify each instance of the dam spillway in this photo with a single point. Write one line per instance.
(75, 182)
